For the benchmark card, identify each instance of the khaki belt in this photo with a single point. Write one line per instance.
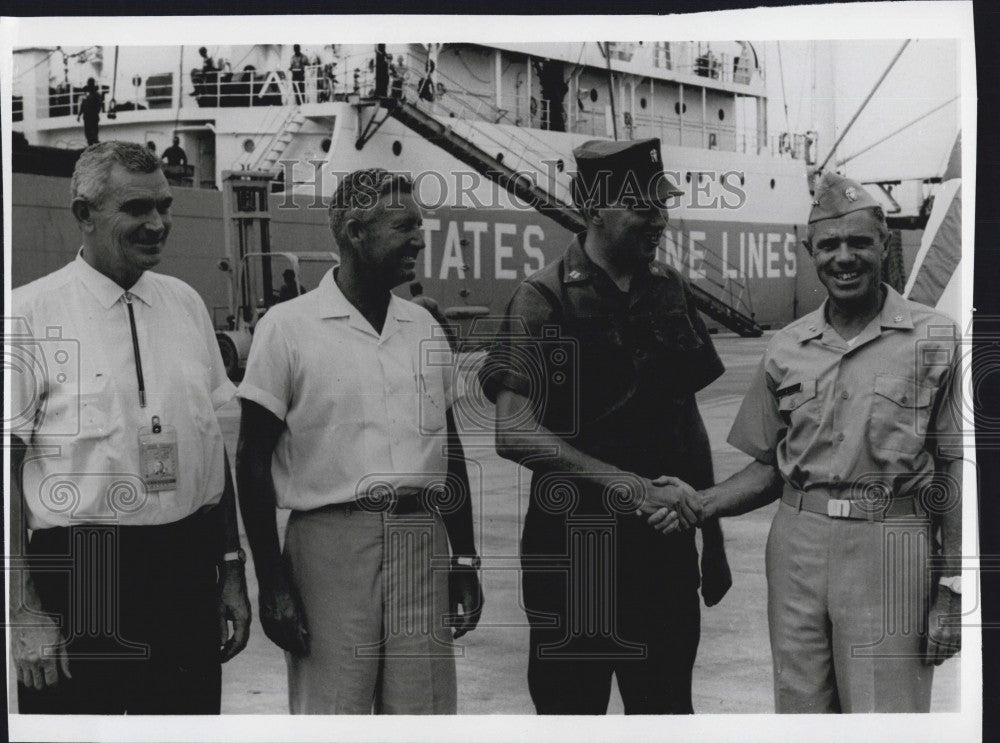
(823, 502)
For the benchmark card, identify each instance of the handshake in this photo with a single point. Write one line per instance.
(673, 505)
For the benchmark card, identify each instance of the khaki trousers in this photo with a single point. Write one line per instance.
(374, 609)
(847, 609)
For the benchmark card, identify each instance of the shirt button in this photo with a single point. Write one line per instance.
(845, 394)
(836, 478)
(840, 437)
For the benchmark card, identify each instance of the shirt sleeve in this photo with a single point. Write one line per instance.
(709, 365)
(222, 388)
(945, 433)
(25, 368)
(514, 361)
(437, 353)
(759, 427)
(268, 377)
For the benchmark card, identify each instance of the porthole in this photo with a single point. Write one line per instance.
(593, 95)
(642, 103)
(772, 184)
(249, 145)
(325, 144)
(722, 115)
(397, 147)
(688, 177)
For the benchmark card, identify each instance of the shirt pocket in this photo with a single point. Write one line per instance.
(901, 411)
(800, 409)
(675, 332)
(431, 404)
(82, 411)
(794, 396)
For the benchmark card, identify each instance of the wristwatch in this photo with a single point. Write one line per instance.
(952, 583)
(474, 562)
(238, 556)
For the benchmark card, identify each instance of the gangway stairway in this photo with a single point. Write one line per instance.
(462, 149)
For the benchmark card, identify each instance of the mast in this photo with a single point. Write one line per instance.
(611, 88)
(823, 97)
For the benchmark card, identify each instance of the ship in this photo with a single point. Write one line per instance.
(485, 131)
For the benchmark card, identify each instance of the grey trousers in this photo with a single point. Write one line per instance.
(847, 610)
(374, 610)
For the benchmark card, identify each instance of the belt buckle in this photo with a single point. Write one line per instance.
(838, 509)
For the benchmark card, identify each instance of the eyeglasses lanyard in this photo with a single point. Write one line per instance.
(135, 348)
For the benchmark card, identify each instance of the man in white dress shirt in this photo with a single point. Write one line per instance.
(118, 468)
(345, 423)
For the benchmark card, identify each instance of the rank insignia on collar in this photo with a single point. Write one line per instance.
(851, 193)
(574, 274)
(897, 318)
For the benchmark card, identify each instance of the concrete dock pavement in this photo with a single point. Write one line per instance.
(733, 670)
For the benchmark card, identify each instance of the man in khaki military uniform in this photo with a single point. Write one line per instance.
(852, 421)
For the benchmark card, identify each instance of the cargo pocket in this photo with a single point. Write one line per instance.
(901, 410)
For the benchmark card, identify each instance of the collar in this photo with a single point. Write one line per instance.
(334, 305)
(577, 264)
(107, 291)
(578, 267)
(895, 314)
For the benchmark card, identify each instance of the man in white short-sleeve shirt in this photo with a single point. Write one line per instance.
(120, 468)
(345, 421)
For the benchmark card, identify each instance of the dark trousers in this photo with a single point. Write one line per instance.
(607, 596)
(299, 86)
(137, 605)
(90, 130)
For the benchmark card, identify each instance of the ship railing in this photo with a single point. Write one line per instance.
(252, 88)
(58, 100)
(449, 97)
(699, 59)
(247, 88)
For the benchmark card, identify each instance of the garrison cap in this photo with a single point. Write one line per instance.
(836, 196)
(612, 172)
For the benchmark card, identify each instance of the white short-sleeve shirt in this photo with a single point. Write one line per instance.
(74, 396)
(361, 409)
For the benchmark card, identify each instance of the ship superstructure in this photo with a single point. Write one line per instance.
(431, 110)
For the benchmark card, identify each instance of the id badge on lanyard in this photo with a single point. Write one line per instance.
(158, 456)
(157, 443)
